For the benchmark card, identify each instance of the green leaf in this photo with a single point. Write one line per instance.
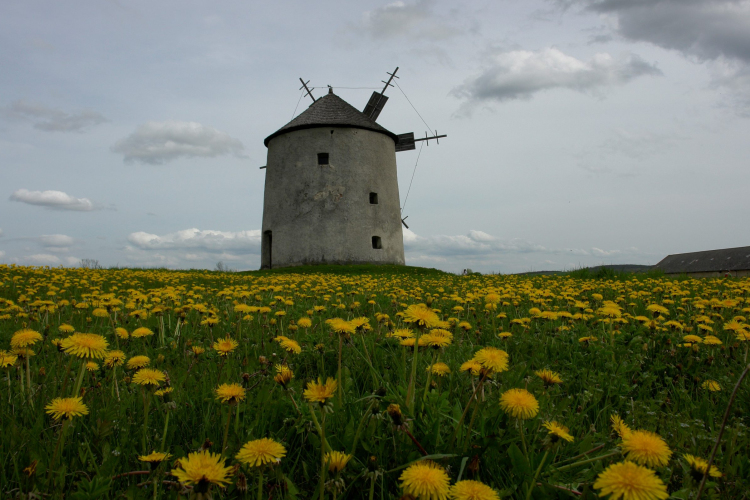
(520, 465)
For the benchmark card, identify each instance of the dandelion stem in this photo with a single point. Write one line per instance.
(466, 410)
(260, 483)
(584, 462)
(341, 381)
(79, 382)
(226, 430)
(361, 423)
(536, 475)
(721, 432)
(413, 379)
(429, 375)
(523, 438)
(28, 382)
(322, 456)
(164, 434)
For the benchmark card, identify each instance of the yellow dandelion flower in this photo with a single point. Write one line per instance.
(711, 340)
(421, 315)
(425, 480)
(341, 326)
(439, 369)
(91, 366)
(138, 362)
(646, 448)
(114, 358)
(25, 338)
(202, 469)
(148, 376)
(85, 345)
(493, 359)
(472, 490)
(163, 392)
(304, 322)
(628, 481)
(261, 452)
(711, 385)
(699, 465)
(320, 392)
(288, 344)
(66, 408)
(284, 375)
(548, 377)
(141, 332)
(122, 333)
(100, 313)
(336, 461)
(471, 366)
(618, 425)
(230, 393)
(197, 350)
(7, 359)
(558, 431)
(225, 346)
(154, 457)
(519, 403)
(65, 328)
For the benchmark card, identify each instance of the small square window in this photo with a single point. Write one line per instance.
(376, 242)
(373, 198)
(322, 158)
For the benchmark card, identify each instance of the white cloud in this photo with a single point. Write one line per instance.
(401, 19)
(53, 119)
(58, 243)
(208, 240)
(482, 251)
(717, 31)
(54, 200)
(2, 254)
(56, 240)
(519, 74)
(160, 142)
(42, 259)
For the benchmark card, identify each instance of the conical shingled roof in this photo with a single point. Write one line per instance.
(329, 111)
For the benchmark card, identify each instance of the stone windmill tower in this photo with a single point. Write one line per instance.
(331, 189)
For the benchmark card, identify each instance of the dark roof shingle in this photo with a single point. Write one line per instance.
(727, 259)
(331, 110)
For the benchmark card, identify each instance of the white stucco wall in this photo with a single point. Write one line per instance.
(321, 214)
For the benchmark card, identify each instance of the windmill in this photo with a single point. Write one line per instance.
(331, 191)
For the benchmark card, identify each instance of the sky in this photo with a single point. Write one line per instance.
(580, 132)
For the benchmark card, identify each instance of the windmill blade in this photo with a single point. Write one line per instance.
(375, 105)
(405, 142)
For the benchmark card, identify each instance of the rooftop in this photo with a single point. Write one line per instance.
(727, 259)
(331, 111)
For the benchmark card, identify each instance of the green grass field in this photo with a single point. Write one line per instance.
(636, 363)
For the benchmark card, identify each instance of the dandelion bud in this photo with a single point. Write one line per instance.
(245, 378)
(241, 483)
(394, 411)
(206, 445)
(42, 372)
(263, 360)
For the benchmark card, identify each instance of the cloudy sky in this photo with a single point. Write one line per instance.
(580, 132)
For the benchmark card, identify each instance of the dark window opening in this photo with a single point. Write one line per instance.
(322, 158)
(373, 198)
(376, 243)
(266, 250)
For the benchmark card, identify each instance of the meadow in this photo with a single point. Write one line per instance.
(375, 383)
